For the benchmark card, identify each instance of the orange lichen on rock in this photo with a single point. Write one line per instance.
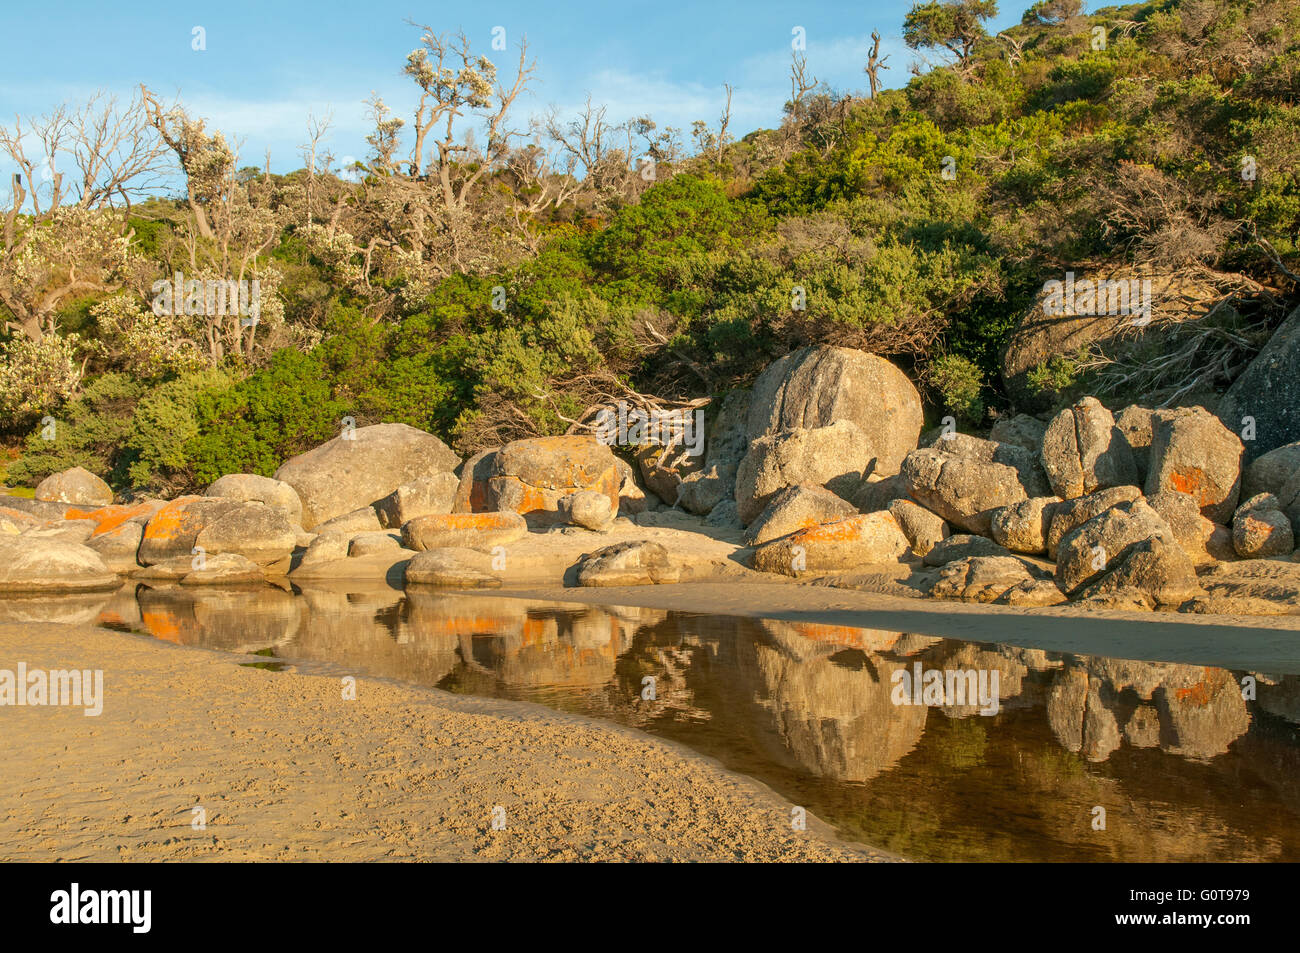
(162, 624)
(172, 520)
(1193, 482)
(112, 516)
(1203, 691)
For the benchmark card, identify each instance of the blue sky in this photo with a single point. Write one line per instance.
(268, 66)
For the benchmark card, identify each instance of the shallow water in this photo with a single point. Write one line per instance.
(1184, 767)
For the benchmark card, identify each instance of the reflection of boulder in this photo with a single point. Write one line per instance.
(869, 640)
(72, 609)
(1281, 699)
(969, 656)
(831, 720)
(370, 631)
(1142, 730)
(230, 619)
(1203, 710)
(1080, 712)
(1197, 712)
(557, 646)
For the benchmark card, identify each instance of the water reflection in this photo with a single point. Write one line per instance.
(1186, 768)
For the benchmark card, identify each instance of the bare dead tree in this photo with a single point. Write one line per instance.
(206, 160)
(723, 122)
(316, 130)
(1014, 48)
(800, 85)
(61, 235)
(875, 63)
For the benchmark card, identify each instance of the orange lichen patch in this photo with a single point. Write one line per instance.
(534, 632)
(531, 499)
(110, 517)
(469, 521)
(162, 624)
(172, 520)
(1203, 692)
(1193, 482)
(470, 625)
(867, 639)
(840, 531)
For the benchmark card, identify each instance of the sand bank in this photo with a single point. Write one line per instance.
(286, 769)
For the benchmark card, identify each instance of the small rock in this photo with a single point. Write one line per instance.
(979, 578)
(924, 530)
(428, 495)
(1260, 529)
(963, 546)
(480, 531)
(367, 544)
(1022, 527)
(251, 488)
(795, 508)
(632, 563)
(453, 567)
(1070, 514)
(224, 569)
(870, 539)
(589, 509)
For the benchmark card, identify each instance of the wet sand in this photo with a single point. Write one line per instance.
(286, 769)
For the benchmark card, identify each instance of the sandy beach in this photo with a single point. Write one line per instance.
(285, 769)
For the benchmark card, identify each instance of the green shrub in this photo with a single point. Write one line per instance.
(163, 425)
(281, 410)
(959, 383)
(89, 431)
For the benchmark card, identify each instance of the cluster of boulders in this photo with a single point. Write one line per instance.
(821, 468)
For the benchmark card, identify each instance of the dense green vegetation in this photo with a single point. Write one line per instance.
(919, 224)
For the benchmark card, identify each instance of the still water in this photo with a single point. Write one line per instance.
(1183, 765)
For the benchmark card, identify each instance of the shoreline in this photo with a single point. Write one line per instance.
(286, 769)
(1264, 643)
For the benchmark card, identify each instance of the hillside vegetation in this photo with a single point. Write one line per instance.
(491, 292)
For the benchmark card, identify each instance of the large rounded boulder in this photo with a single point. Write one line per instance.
(34, 566)
(819, 386)
(1083, 451)
(77, 485)
(362, 466)
(251, 488)
(531, 477)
